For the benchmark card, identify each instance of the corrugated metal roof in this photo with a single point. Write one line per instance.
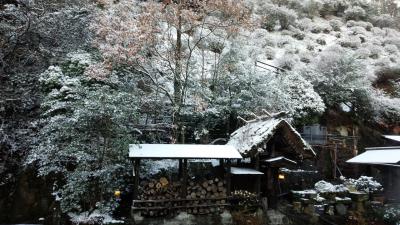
(392, 137)
(183, 151)
(245, 171)
(391, 156)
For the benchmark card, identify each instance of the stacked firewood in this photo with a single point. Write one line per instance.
(212, 188)
(161, 197)
(159, 189)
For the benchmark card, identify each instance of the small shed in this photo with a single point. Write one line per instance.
(387, 161)
(270, 142)
(184, 153)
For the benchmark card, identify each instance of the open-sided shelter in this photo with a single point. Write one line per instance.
(183, 153)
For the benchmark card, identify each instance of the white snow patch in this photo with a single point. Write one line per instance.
(85, 218)
(326, 187)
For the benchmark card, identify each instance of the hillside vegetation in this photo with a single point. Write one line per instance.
(80, 80)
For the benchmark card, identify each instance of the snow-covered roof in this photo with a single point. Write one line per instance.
(379, 156)
(183, 151)
(392, 137)
(253, 134)
(245, 171)
(280, 158)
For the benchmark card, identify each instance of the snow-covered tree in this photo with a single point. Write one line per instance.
(246, 88)
(339, 78)
(164, 41)
(86, 126)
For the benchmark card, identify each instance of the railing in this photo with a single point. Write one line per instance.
(161, 207)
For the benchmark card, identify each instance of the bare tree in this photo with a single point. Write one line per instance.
(160, 40)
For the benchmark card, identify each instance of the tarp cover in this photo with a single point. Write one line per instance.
(245, 171)
(183, 151)
(386, 156)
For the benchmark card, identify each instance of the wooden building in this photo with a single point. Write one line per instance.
(270, 143)
(387, 161)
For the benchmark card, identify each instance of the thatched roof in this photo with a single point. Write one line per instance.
(256, 134)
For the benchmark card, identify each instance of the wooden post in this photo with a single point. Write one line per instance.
(228, 177)
(258, 178)
(180, 172)
(136, 167)
(184, 179)
(274, 194)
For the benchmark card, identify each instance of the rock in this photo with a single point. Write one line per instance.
(330, 210)
(297, 207)
(309, 209)
(275, 218)
(341, 209)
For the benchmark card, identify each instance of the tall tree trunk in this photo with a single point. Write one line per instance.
(177, 76)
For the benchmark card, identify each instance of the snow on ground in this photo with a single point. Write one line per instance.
(96, 216)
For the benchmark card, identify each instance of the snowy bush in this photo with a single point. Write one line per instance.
(363, 183)
(355, 13)
(326, 187)
(282, 14)
(386, 108)
(316, 28)
(292, 49)
(288, 61)
(321, 41)
(391, 49)
(51, 79)
(337, 77)
(285, 40)
(392, 215)
(297, 33)
(375, 51)
(392, 41)
(357, 30)
(382, 62)
(353, 42)
(311, 8)
(286, 17)
(384, 20)
(366, 25)
(332, 7)
(305, 24)
(270, 53)
(305, 57)
(378, 31)
(336, 24)
(310, 45)
(362, 53)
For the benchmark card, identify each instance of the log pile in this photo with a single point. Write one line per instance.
(160, 189)
(212, 188)
(161, 197)
(245, 199)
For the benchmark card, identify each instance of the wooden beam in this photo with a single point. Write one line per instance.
(180, 172)
(184, 178)
(136, 168)
(228, 177)
(258, 178)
